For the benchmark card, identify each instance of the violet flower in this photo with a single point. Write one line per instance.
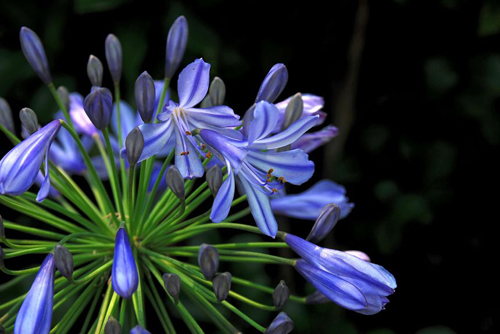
(124, 275)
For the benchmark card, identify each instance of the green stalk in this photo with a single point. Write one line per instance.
(115, 185)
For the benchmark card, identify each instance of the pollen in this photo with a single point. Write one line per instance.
(185, 153)
(208, 155)
(274, 190)
(189, 133)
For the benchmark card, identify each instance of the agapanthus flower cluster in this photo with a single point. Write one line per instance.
(108, 247)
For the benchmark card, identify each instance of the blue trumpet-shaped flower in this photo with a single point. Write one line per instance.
(124, 275)
(35, 314)
(21, 165)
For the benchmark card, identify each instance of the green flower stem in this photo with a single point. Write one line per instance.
(84, 234)
(238, 215)
(113, 176)
(243, 257)
(61, 105)
(104, 307)
(123, 309)
(230, 246)
(113, 304)
(32, 230)
(154, 303)
(6, 318)
(90, 314)
(131, 189)
(11, 245)
(120, 142)
(166, 83)
(11, 283)
(94, 274)
(159, 228)
(12, 137)
(138, 298)
(160, 310)
(19, 272)
(244, 317)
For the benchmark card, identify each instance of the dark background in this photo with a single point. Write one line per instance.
(413, 86)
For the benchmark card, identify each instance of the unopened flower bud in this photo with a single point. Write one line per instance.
(282, 324)
(273, 84)
(95, 71)
(139, 330)
(98, 106)
(176, 45)
(175, 182)
(113, 50)
(63, 94)
(173, 285)
(35, 54)
(293, 110)
(124, 274)
(134, 143)
(214, 179)
(217, 92)
(317, 298)
(145, 96)
(208, 260)
(29, 120)
(281, 294)
(2, 228)
(112, 326)
(64, 261)
(6, 115)
(326, 221)
(222, 284)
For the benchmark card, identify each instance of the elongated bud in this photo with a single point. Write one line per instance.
(176, 45)
(2, 256)
(317, 298)
(214, 179)
(124, 275)
(63, 94)
(222, 285)
(29, 120)
(95, 71)
(175, 182)
(145, 96)
(112, 326)
(134, 145)
(273, 84)
(281, 294)
(2, 228)
(282, 324)
(293, 111)
(6, 115)
(35, 54)
(208, 260)
(139, 330)
(98, 106)
(113, 50)
(327, 219)
(64, 261)
(217, 92)
(173, 285)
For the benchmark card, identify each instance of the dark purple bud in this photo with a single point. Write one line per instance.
(29, 120)
(145, 96)
(293, 111)
(2, 256)
(95, 71)
(176, 45)
(282, 324)
(222, 284)
(214, 179)
(64, 261)
(325, 222)
(98, 106)
(317, 298)
(63, 94)
(281, 294)
(112, 326)
(35, 54)
(6, 115)
(134, 145)
(208, 260)
(175, 182)
(273, 84)
(173, 285)
(113, 50)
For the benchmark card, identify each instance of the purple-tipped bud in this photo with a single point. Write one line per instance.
(63, 94)
(282, 324)
(222, 285)
(176, 45)
(139, 330)
(113, 50)
(281, 294)
(175, 182)
(112, 326)
(98, 106)
(64, 261)
(208, 260)
(214, 179)
(124, 275)
(2, 228)
(145, 96)
(95, 71)
(293, 111)
(273, 84)
(35, 314)
(326, 221)
(134, 145)
(173, 285)
(6, 115)
(35, 54)
(29, 120)
(2, 256)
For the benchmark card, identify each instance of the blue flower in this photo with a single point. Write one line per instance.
(139, 330)
(21, 165)
(82, 123)
(124, 275)
(35, 314)
(312, 105)
(311, 141)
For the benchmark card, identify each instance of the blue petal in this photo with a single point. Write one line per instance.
(129, 119)
(189, 164)
(139, 330)
(218, 116)
(312, 105)
(224, 198)
(229, 145)
(265, 117)
(311, 141)
(81, 121)
(193, 83)
(155, 138)
(45, 186)
(124, 275)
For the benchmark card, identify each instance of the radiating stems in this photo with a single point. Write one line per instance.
(12, 137)
(104, 307)
(32, 230)
(115, 185)
(131, 189)
(61, 105)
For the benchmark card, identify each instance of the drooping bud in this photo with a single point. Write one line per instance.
(124, 275)
(98, 106)
(293, 111)
(64, 261)
(6, 115)
(214, 179)
(173, 285)
(317, 298)
(281, 294)
(176, 45)
(145, 96)
(35, 54)
(325, 222)
(2, 256)
(2, 228)
(112, 326)
(273, 84)
(113, 50)
(63, 94)
(222, 284)
(29, 120)
(95, 71)
(282, 324)
(139, 330)
(208, 260)
(175, 182)
(134, 145)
